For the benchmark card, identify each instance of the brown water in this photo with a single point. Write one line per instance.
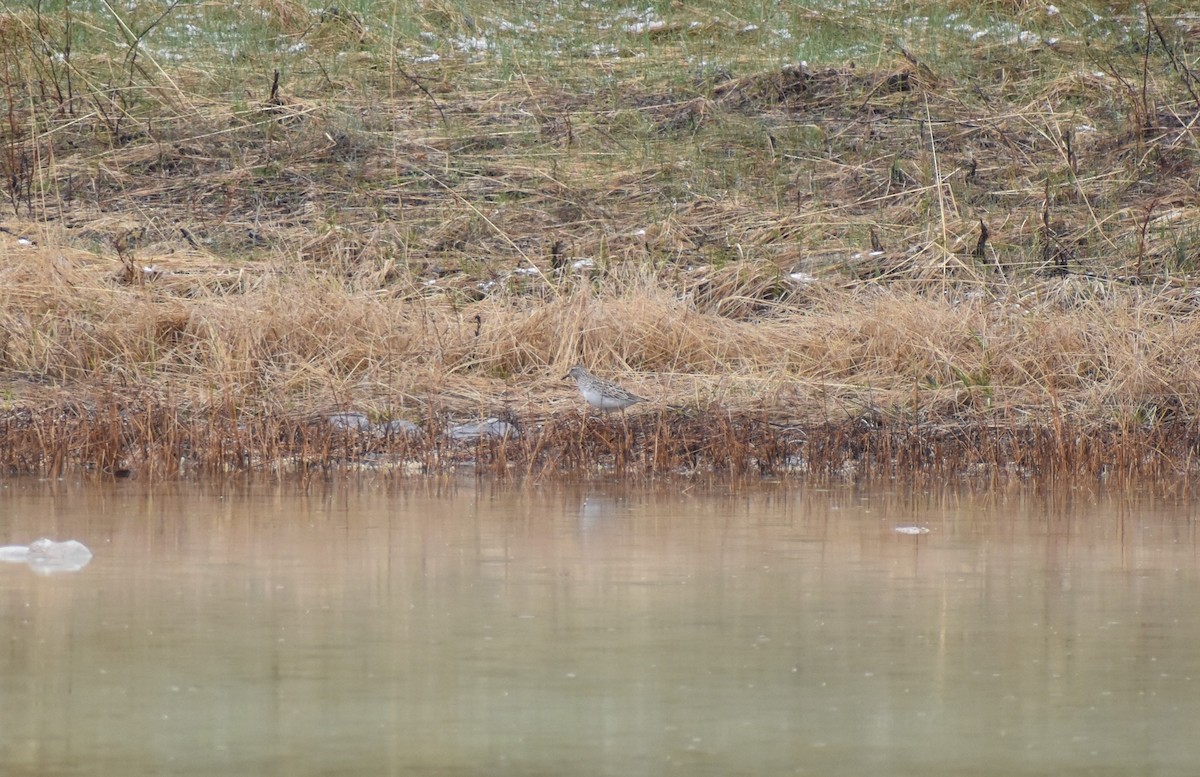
(368, 629)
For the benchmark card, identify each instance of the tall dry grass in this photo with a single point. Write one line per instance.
(291, 342)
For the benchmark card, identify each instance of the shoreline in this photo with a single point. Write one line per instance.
(160, 443)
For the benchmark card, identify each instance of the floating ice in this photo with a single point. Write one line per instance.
(911, 530)
(47, 557)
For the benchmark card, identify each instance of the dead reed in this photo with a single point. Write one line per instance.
(155, 441)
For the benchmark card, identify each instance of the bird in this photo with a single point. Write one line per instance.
(601, 394)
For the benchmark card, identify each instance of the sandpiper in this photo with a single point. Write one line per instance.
(599, 393)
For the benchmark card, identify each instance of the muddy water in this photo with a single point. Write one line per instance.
(368, 628)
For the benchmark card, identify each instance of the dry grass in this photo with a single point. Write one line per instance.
(785, 258)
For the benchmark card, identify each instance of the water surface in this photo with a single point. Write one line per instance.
(452, 629)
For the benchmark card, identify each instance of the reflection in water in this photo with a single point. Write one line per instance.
(380, 628)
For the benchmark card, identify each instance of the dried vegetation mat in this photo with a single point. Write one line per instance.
(345, 252)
